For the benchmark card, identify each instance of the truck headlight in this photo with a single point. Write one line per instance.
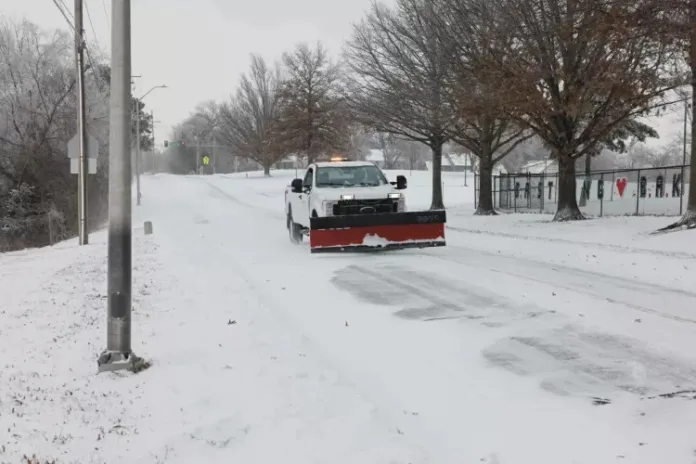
(328, 207)
(394, 196)
(348, 197)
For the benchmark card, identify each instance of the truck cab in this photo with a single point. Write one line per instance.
(339, 188)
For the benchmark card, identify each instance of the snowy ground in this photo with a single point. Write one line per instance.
(502, 347)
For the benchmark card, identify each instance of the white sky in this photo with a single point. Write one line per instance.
(199, 48)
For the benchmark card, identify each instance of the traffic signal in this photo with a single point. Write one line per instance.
(166, 143)
(182, 144)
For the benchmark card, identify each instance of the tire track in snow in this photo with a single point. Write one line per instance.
(568, 359)
(610, 283)
(597, 285)
(222, 194)
(607, 246)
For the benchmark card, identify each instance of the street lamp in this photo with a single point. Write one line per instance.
(137, 138)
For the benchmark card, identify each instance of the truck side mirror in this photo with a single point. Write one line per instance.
(296, 186)
(401, 182)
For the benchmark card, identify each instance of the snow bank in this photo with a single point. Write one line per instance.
(522, 341)
(226, 380)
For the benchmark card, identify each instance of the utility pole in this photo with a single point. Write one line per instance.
(137, 151)
(198, 153)
(118, 354)
(81, 127)
(214, 157)
(152, 117)
(683, 173)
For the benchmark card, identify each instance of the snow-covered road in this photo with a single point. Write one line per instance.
(516, 343)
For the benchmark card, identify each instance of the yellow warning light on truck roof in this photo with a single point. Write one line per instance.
(337, 158)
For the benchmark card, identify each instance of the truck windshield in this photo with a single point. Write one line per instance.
(350, 176)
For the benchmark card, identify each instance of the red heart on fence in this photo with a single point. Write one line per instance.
(621, 183)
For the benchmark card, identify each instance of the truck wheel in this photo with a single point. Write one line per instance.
(294, 230)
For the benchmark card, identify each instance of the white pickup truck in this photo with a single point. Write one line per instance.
(338, 189)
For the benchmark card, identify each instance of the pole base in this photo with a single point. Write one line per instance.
(112, 361)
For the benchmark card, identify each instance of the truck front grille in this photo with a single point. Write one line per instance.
(346, 207)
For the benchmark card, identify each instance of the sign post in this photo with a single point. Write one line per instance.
(91, 155)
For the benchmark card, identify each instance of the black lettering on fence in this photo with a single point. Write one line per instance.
(527, 189)
(586, 185)
(643, 186)
(517, 189)
(600, 189)
(550, 188)
(660, 186)
(676, 185)
(540, 189)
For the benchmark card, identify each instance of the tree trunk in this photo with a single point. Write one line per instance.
(437, 202)
(690, 213)
(568, 209)
(689, 217)
(485, 197)
(267, 170)
(588, 176)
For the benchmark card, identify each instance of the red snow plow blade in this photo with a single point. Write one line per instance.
(370, 232)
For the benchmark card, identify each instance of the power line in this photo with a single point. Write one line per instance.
(65, 7)
(62, 11)
(89, 18)
(89, 55)
(106, 14)
(62, 7)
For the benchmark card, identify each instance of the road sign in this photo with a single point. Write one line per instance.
(92, 154)
(75, 165)
(92, 147)
(206, 160)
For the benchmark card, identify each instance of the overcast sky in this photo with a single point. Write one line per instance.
(200, 47)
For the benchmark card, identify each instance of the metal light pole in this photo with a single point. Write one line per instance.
(137, 152)
(154, 166)
(214, 157)
(118, 354)
(681, 188)
(137, 139)
(81, 127)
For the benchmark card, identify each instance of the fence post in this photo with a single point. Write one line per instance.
(681, 192)
(638, 193)
(601, 199)
(613, 182)
(50, 228)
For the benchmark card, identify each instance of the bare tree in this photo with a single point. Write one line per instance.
(37, 118)
(313, 114)
(391, 149)
(575, 71)
(249, 123)
(674, 22)
(358, 140)
(415, 155)
(481, 128)
(398, 72)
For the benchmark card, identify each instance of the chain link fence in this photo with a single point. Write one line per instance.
(646, 191)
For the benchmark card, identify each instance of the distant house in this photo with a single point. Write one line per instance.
(539, 167)
(460, 162)
(457, 162)
(376, 156)
(289, 162)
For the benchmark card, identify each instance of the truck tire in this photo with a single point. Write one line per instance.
(294, 230)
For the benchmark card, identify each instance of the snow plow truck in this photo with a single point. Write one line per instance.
(351, 206)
